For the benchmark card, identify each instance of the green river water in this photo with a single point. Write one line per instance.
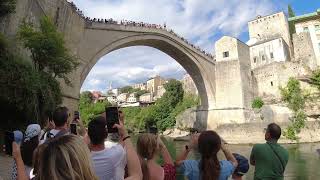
(304, 160)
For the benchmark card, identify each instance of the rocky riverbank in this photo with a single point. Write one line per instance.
(251, 133)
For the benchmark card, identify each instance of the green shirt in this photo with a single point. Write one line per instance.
(267, 163)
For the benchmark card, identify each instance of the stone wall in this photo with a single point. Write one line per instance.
(303, 50)
(269, 78)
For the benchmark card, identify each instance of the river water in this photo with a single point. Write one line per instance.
(304, 160)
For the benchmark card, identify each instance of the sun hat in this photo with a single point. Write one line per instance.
(243, 165)
(32, 131)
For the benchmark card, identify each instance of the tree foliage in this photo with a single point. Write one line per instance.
(7, 7)
(163, 113)
(48, 48)
(315, 79)
(257, 103)
(89, 109)
(126, 89)
(292, 94)
(290, 11)
(292, 28)
(28, 91)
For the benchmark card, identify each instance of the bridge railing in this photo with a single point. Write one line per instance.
(89, 22)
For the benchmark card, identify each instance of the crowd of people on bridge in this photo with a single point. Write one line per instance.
(137, 24)
(53, 153)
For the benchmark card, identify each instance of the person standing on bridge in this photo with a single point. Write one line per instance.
(270, 159)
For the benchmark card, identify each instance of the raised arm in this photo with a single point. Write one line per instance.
(184, 154)
(134, 167)
(229, 155)
(21, 172)
(165, 153)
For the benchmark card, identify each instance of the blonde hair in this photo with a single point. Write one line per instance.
(147, 147)
(66, 157)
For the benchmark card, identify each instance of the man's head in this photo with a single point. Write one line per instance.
(60, 116)
(97, 130)
(273, 132)
(242, 168)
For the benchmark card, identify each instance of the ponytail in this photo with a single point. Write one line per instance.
(145, 169)
(210, 168)
(209, 143)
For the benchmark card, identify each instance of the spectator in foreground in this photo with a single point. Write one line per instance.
(60, 118)
(242, 168)
(29, 144)
(208, 167)
(270, 159)
(109, 163)
(148, 145)
(65, 157)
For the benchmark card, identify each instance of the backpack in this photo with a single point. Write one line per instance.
(49, 136)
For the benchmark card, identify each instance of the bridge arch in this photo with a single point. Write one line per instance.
(167, 45)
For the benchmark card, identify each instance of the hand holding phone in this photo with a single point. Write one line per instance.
(73, 128)
(9, 138)
(112, 118)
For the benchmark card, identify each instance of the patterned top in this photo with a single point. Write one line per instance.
(169, 172)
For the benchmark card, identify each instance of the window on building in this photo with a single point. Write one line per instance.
(271, 55)
(255, 59)
(305, 29)
(271, 83)
(263, 57)
(226, 54)
(317, 27)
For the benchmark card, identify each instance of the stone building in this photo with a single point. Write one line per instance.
(132, 98)
(160, 91)
(188, 85)
(141, 86)
(153, 83)
(147, 97)
(309, 23)
(268, 51)
(263, 28)
(122, 97)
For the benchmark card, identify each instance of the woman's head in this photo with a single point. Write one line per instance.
(30, 143)
(209, 144)
(147, 146)
(66, 157)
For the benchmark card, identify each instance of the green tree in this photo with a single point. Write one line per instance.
(292, 28)
(7, 7)
(141, 92)
(86, 98)
(315, 79)
(48, 49)
(290, 11)
(292, 94)
(257, 103)
(126, 89)
(174, 93)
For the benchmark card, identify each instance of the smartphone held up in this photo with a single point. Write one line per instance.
(112, 118)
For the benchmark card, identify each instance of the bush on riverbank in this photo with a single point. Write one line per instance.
(293, 95)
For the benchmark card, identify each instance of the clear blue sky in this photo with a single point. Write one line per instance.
(202, 22)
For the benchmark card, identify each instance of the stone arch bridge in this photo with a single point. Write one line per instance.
(91, 40)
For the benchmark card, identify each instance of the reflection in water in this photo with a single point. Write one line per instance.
(304, 161)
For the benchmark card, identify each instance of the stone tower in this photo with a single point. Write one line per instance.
(269, 27)
(233, 80)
